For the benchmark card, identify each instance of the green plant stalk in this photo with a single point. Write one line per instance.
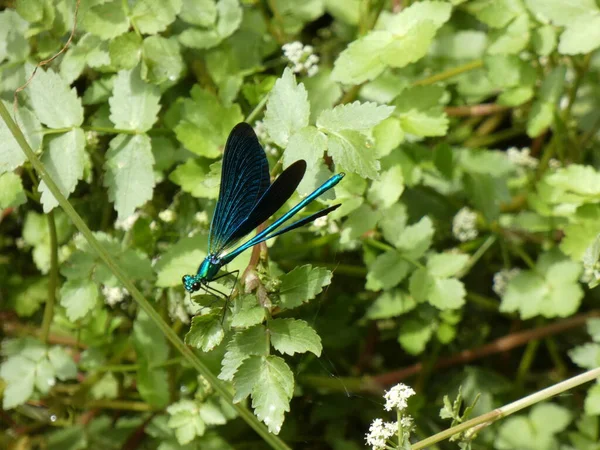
(53, 281)
(477, 256)
(185, 351)
(257, 109)
(526, 362)
(506, 410)
(449, 73)
(386, 248)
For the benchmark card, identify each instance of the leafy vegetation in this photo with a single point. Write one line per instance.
(458, 274)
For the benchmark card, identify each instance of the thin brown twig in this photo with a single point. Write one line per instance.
(500, 345)
(483, 109)
(46, 61)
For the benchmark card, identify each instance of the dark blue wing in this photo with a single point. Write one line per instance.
(244, 180)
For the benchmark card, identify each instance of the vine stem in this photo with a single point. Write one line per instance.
(449, 73)
(488, 418)
(185, 351)
(53, 281)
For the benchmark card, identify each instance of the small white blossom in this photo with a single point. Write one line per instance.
(407, 423)
(502, 278)
(320, 222)
(522, 157)
(128, 222)
(302, 57)
(201, 217)
(397, 397)
(261, 131)
(168, 215)
(91, 138)
(113, 295)
(379, 433)
(464, 225)
(153, 225)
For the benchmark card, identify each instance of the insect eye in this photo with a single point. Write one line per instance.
(196, 286)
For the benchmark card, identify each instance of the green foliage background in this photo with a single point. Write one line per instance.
(464, 254)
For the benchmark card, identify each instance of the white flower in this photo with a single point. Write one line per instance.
(554, 163)
(113, 295)
(302, 57)
(168, 215)
(380, 432)
(261, 131)
(320, 222)
(407, 423)
(464, 225)
(522, 157)
(128, 222)
(397, 397)
(502, 278)
(201, 217)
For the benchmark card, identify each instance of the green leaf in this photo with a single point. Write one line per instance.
(106, 387)
(581, 36)
(186, 421)
(361, 61)
(78, 297)
(592, 402)
(446, 264)
(308, 144)
(90, 50)
(11, 191)
(106, 20)
(193, 177)
(391, 304)
(347, 11)
(199, 12)
(302, 284)
(18, 372)
(153, 16)
(229, 19)
(560, 12)
(414, 335)
(289, 336)
(13, 36)
(415, 239)
(181, 258)
(125, 50)
(288, 109)
(129, 174)
(550, 417)
(495, 13)
(64, 160)
(422, 123)
(271, 383)
(205, 123)
(247, 311)
(62, 363)
(205, 333)
(11, 155)
(355, 116)
(252, 341)
(387, 271)
(148, 340)
(386, 191)
(542, 111)
(134, 103)
(162, 60)
(447, 293)
(512, 39)
(586, 356)
(55, 105)
(28, 299)
(352, 152)
(388, 136)
(544, 40)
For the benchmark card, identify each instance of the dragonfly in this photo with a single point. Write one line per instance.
(247, 199)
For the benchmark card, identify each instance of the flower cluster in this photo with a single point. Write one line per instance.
(380, 432)
(302, 57)
(113, 295)
(167, 216)
(397, 397)
(464, 225)
(522, 157)
(127, 223)
(502, 278)
(263, 135)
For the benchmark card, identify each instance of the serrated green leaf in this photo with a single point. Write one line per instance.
(162, 60)
(153, 16)
(391, 304)
(64, 160)
(288, 109)
(414, 335)
(229, 19)
(560, 12)
(44, 376)
(13, 36)
(352, 152)
(446, 264)
(186, 421)
(125, 50)
(129, 174)
(11, 190)
(55, 105)
(28, 299)
(106, 387)
(511, 39)
(387, 271)
(386, 191)
(360, 61)
(62, 363)
(78, 297)
(89, 51)
(447, 293)
(586, 356)
(134, 104)
(495, 13)
(308, 144)
(11, 155)
(193, 177)
(355, 116)
(581, 36)
(290, 336)
(105, 19)
(206, 332)
(19, 374)
(415, 239)
(199, 12)
(205, 123)
(388, 136)
(252, 341)
(302, 284)
(247, 311)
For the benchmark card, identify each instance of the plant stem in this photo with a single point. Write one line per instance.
(257, 109)
(53, 281)
(120, 274)
(492, 416)
(526, 362)
(477, 256)
(449, 73)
